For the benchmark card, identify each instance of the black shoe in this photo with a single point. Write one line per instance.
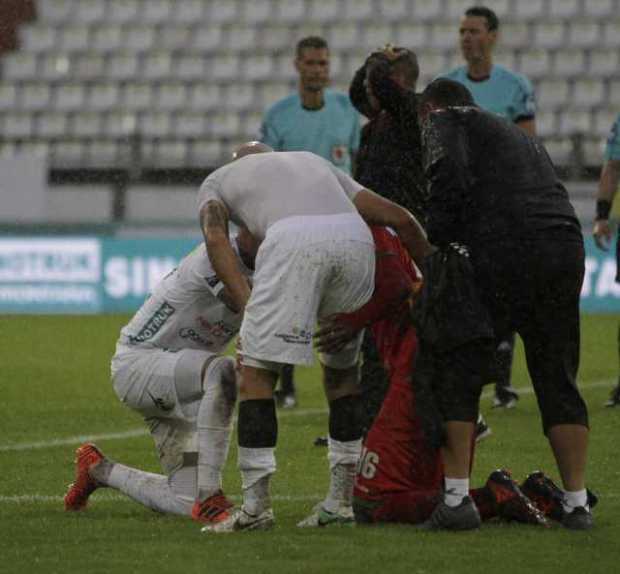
(511, 503)
(505, 398)
(465, 516)
(579, 519)
(614, 398)
(482, 429)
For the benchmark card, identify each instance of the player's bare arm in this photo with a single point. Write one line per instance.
(214, 224)
(608, 184)
(377, 210)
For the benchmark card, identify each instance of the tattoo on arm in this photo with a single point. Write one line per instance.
(214, 216)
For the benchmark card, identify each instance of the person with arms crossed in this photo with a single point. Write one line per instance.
(315, 119)
(607, 188)
(510, 95)
(168, 367)
(316, 259)
(494, 190)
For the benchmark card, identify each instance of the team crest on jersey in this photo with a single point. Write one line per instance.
(339, 154)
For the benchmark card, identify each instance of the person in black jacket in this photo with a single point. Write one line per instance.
(494, 190)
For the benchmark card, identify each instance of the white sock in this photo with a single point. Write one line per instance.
(455, 490)
(343, 458)
(574, 499)
(214, 423)
(256, 466)
(156, 491)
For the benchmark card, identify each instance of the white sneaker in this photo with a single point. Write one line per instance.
(241, 520)
(321, 517)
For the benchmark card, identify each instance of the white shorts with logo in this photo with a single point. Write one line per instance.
(307, 268)
(166, 389)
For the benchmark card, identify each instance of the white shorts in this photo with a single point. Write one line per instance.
(166, 389)
(306, 268)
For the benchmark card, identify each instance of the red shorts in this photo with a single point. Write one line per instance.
(399, 476)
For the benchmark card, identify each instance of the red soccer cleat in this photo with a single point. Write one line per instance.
(213, 509)
(78, 492)
(510, 501)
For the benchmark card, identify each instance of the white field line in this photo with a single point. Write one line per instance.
(282, 414)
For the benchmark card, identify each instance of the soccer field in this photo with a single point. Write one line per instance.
(55, 393)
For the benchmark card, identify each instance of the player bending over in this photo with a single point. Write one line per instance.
(168, 367)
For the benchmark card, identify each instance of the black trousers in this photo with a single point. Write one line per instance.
(533, 287)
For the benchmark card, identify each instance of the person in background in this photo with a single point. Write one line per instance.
(607, 188)
(510, 95)
(315, 119)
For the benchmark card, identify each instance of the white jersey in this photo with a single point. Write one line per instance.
(261, 189)
(183, 311)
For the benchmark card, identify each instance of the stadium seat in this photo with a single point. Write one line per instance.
(33, 148)
(546, 123)
(74, 38)
(85, 124)
(284, 68)
(122, 66)
(67, 153)
(241, 39)
(272, 92)
(559, 150)
(427, 11)
(170, 96)
(515, 35)
(611, 33)
(359, 10)
(613, 94)
(170, 153)
(374, 37)
(204, 96)
(552, 94)
(119, 124)
(139, 38)
(584, 34)
(155, 124)
(107, 38)
(225, 67)
(593, 149)
(54, 67)
(103, 153)
(156, 66)
(17, 125)
(290, 11)
(54, 11)
(535, 63)
(187, 67)
(529, 10)
(69, 97)
(189, 125)
(568, 63)
(225, 124)
(102, 97)
(412, 36)
(564, 9)
(189, 12)
(173, 37)
(343, 36)
(88, 12)
(250, 125)
(574, 121)
(393, 10)
(257, 68)
(136, 97)
(549, 35)
(454, 10)
(10, 96)
(321, 11)
(156, 11)
(51, 125)
(256, 12)
(599, 8)
(88, 66)
(39, 38)
(239, 97)
(276, 38)
(35, 96)
(206, 39)
(20, 66)
(222, 12)
(205, 152)
(588, 93)
(603, 63)
(506, 58)
(125, 11)
(444, 36)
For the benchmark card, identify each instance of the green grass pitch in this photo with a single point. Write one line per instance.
(54, 388)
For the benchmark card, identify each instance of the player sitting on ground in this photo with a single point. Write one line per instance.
(168, 367)
(400, 475)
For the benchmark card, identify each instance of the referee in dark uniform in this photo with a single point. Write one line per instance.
(494, 189)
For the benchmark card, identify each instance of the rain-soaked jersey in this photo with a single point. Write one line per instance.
(183, 311)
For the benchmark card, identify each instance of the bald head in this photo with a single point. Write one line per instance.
(250, 148)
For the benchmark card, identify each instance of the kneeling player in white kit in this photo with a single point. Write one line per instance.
(168, 367)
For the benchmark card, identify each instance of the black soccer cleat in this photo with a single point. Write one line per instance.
(579, 519)
(545, 494)
(465, 516)
(614, 397)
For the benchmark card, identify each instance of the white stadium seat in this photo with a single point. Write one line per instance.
(204, 96)
(321, 11)
(225, 124)
(603, 63)
(102, 96)
(569, 63)
(222, 11)
(155, 124)
(139, 38)
(170, 96)
(239, 97)
(343, 36)
(20, 66)
(38, 37)
(206, 39)
(54, 67)
(427, 11)
(55, 11)
(552, 94)
(359, 10)
(51, 125)
(535, 63)
(584, 34)
(444, 36)
(88, 12)
(189, 124)
(574, 121)
(17, 125)
(74, 38)
(549, 35)
(88, 66)
(107, 38)
(85, 124)
(394, 10)
(546, 123)
(290, 11)
(9, 94)
(156, 11)
(599, 8)
(136, 97)
(514, 34)
(122, 66)
(256, 12)
(276, 38)
(70, 97)
(189, 12)
(125, 11)
(529, 9)
(156, 66)
(588, 93)
(35, 96)
(564, 9)
(188, 67)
